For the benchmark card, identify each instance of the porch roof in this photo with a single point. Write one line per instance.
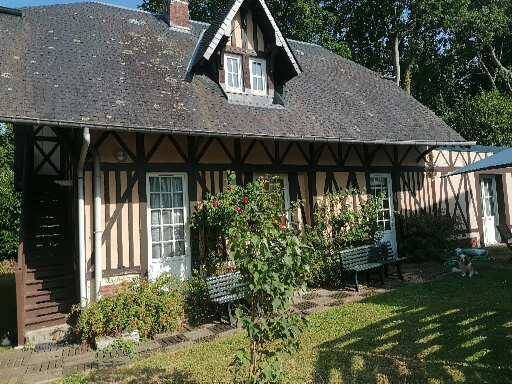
(105, 67)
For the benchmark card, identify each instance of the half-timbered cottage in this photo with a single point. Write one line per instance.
(124, 120)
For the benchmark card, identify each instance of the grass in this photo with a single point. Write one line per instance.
(450, 331)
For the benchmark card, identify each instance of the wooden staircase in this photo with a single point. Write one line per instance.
(47, 276)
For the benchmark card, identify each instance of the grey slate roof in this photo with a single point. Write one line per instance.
(101, 66)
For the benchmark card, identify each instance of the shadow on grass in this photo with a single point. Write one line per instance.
(452, 331)
(141, 375)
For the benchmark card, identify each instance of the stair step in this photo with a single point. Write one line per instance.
(49, 309)
(33, 287)
(52, 270)
(39, 260)
(45, 320)
(57, 294)
(42, 275)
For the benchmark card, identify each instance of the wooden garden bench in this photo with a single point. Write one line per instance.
(506, 235)
(226, 290)
(390, 258)
(362, 259)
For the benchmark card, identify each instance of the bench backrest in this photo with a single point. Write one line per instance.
(505, 232)
(358, 256)
(226, 285)
(388, 253)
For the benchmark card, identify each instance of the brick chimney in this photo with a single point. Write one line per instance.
(179, 15)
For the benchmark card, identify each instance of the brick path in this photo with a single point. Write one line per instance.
(25, 366)
(50, 363)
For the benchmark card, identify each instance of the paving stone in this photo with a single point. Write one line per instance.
(199, 333)
(42, 377)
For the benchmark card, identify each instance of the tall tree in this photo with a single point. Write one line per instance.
(393, 37)
(484, 35)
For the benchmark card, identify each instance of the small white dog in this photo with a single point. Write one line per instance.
(465, 265)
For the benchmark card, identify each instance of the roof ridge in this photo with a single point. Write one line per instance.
(89, 2)
(10, 11)
(305, 43)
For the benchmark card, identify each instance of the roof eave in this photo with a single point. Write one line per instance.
(146, 129)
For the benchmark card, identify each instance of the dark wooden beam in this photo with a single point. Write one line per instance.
(143, 203)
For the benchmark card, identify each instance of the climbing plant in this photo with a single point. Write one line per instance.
(339, 224)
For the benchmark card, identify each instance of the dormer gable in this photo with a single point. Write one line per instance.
(246, 54)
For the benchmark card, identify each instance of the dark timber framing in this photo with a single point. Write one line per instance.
(309, 174)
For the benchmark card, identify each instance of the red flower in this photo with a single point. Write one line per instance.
(283, 226)
(238, 210)
(216, 203)
(246, 200)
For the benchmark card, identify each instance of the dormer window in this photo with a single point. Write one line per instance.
(233, 65)
(258, 69)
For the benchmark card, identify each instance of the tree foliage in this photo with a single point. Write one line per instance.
(485, 118)
(10, 206)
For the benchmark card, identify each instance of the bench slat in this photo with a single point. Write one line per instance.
(226, 288)
(361, 258)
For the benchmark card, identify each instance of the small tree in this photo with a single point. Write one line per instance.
(273, 262)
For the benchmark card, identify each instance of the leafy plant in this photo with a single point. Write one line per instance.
(273, 263)
(145, 306)
(337, 226)
(77, 378)
(426, 236)
(10, 204)
(198, 306)
(123, 347)
(486, 118)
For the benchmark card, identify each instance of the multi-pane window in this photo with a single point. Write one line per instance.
(379, 187)
(233, 66)
(258, 76)
(167, 217)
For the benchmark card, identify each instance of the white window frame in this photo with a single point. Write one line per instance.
(264, 67)
(186, 212)
(240, 77)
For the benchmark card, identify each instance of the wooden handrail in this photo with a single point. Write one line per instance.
(20, 293)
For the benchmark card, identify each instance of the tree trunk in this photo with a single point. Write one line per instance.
(396, 56)
(504, 71)
(408, 77)
(490, 77)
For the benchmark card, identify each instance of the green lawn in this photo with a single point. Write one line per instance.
(451, 331)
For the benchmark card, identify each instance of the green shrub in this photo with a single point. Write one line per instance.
(122, 347)
(77, 378)
(339, 226)
(10, 205)
(150, 308)
(426, 236)
(198, 306)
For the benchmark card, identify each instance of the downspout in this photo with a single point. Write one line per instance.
(98, 232)
(81, 217)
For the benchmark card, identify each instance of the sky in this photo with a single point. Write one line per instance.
(31, 3)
